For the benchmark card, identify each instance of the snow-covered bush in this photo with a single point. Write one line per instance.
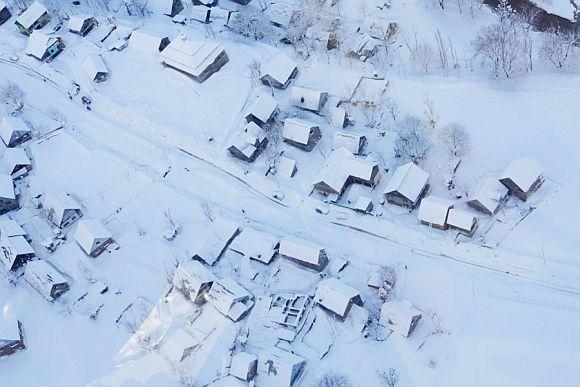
(251, 23)
(412, 142)
(12, 95)
(333, 379)
(456, 139)
(388, 378)
(559, 48)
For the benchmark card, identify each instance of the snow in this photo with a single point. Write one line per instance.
(76, 22)
(42, 276)
(58, 203)
(563, 8)
(219, 235)
(2, 5)
(243, 365)
(11, 228)
(279, 368)
(298, 130)
(409, 180)
(192, 57)
(491, 195)
(7, 187)
(146, 41)
(9, 328)
(398, 316)
(523, 172)
(347, 140)
(89, 233)
(286, 167)
(192, 279)
(263, 108)
(20, 245)
(335, 295)
(337, 116)
(31, 15)
(434, 210)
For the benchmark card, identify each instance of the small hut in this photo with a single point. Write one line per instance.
(308, 99)
(301, 133)
(92, 237)
(462, 221)
(46, 279)
(96, 68)
(11, 336)
(277, 367)
(8, 197)
(522, 177)
(279, 71)
(337, 297)
(81, 24)
(262, 110)
(490, 197)
(400, 316)
(35, 17)
(14, 131)
(303, 253)
(434, 211)
(44, 47)
(193, 280)
(61, 209)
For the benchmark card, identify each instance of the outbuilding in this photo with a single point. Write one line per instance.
(46, 279)
(16, 163)
(220, 233)
(279, 368)
(10, 228)
(434, 211)
(286, 167)
(244, 366)
(4, 13)
(256, 245)
(15, 251)
(407, 186)
(14, 131)
(231, 299)
(522, 177)
(61, 209)
(96, 68)
(198, 59)
(263, 110)
(193, 280)
(301, 133)
(354, 142)
(462, 221)
(92, 237)
(11, 336)
(337, 297)
(35, 17)
(44, 47)
(201, 13)
(308, 99)
(165, 7)
(81, 24)
(8, 197)
(249, 143)
(281, 14)
(490, 197)
(304, 253)
(149, 42)
(337, 116)
(400, 317)
(279, 71)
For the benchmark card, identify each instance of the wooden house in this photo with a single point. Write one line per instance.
(279, 71)
(308, 99)
(44, 47)
(303, 253)
(4, 12)
(169, 8)
(230, 299)
(96, 68)
(15, 162)
(36, 16)
(337, 117)
(61, 209)
(249, 143)
(15, 252)
(46, 279)
(522, 177)
(256, 245)
(14, 131)
(286, 167)
(462, 221)
(197, 59)
(8, 197)
(81, 24)
(244, 366)
(11, 336)
(353, 142)
(400, 316)
(337, 297)
(407, 186)
(301, 133)
(277, 367)
(434, 211)
(201, 13)
(263, 110)
(193, 280)
(490, 197)
(220, 233)
(148, 41)
(92, 237)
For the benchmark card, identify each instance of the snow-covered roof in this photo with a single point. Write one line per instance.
(347, 140)
(342, 164)
(363, 203)
(434, 210)
(398, 315)
(263, 107)
(227, 296)
(59, 203)
(75, 23)
(90, 231)
(175, 344)
(297, 130)
(301, 250)
(286, 167)
(280, 68)
(490, 195)
(523, 172)
(192, 57)
(189, 278)
(255, 245)
(280, 14)
(369, 89)
(218, 236)
(43, 276)
(9, 126)
(2, 5)
(201, 12)
(248, 138)
(460, 219)
(7, 187)
(146, 41)
(408, 180)
(306, 98)
(14, 157)
(31, 15)
(94, 66)
(242, 364)
(279, 368)
(335, 295)
(336, 116)
(9, 330)
(164, 7)
(11, 228)
(38, 43)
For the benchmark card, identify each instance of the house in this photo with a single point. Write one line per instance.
(14, 131)
(46, 279)
(11, 336)
(303, 253)
(522, 177)
(165, 7)
(96, 68)
(301, 133)
(263, 110)
(279, 71)
(220, 233)
(249, 143)
(230, 299)
(44, 47)
(337, 116)
(407, 186)
(61, 209)
(35, 17)
(364, 48)
(244, 366)
(462, 221)
(336, 296)
(193, 280)
(197, 59)
(10, 228)
(207, 3)
(15, 162)
(434, 210)
(8, 197)
(92, 237)
(81, 24)
(281, 14)
(308, 99)
(4, 12)
(201, 13)
(279, 368)
(149, 42)
(15, 251)
(342, 169)
(256, 245)
(286, 167)
(490, 197)
(353, 142)
(400, 317)
(364, 204)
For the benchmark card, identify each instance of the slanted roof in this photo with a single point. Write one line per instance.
(342, 164)
(59, 203)
(9, 330)
(335, 295)
(146, 41)
(350, 141)
(75, 23)
(523, 172)
(491, 193)
(278, 368)
(409, 181)
(306, 98)
(175, 343)
(164, 7)
(242, 363)
(9, 126)
(398, 315)
(460, 219)
(43, 276)
(14, 157)
(190, 276)
(88, 232)
(280, 14)
(7, 187)
(11, 248)
(226, 295)
(246, 140)
(297, 130)
(280, 68)
(31, 15)
(94, 66)
(255, 244)
(301, 250)
(363, 203)
(434, 210)
(219, 234)
(20, 245)
(2, 5)
(286, 167)
(11, 228)
(192, 57)
(38, 43)
(263, 107)
(337, 116)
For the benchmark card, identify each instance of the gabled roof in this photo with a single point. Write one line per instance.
(286, 167)
(42, 276)
(2, 5)
(60, 202)
(398, 316)
(164, 7)
(192, 57)
(219, 234)
(230, 298)
(11, 228)
(434, 210)
(75, 23)
(280, 13)
(306, 98)
(9, 125)
(94, 66)
(335, 295)
(523, 172)
(409, 181)
(12, 247)
(297, 130)
(88, 232)
(342, 164)
(279, 68)
(9, 330)
(263, 107)
(191, 275)
(38, 43)
(460, 219)
(7, 187)
(31, 15)
(13, 157)
(348, 140)
(146, 41)
(255, 244)
(491, 193)
(301, 250)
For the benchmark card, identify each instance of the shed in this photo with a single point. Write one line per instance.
(256, 245)
(92, 237)
(219, 234)
(262, 110)
(35, 17)
(15, 251)
(61, 209)
(4, 13)
(301, 133)
(434, 211)
(462, 221)
(249, 143)
(244, 366)
(44, 47)
(353, 142)
(230, 298)
(308, 99)
(336, 296)
(193, 280)
(364, 204)
(337, 116)
(14, 131)
(148, 42)
(279, 368)
(286, 167)
(490, 197)
(201, 13)
(279, 71)
(400, 317)
(522, 177)
(178, 345)
(197, 59)
(16, 163)
(10, 228)
(11, 336)
(8, 197)
(407, 186)
(81, 24)
(96, 68)
(46, 279)
(303, 253)
(165, 7)
(280, 14)
(207, 3)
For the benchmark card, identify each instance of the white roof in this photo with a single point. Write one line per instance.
(14, 157)
(246, 140)
(301, 250)
(20, 245)
(192, 57)
(490, 194)
(460, 219)
(31, 15)
(255, 245)
(286, 167)
(60, 202)
(408, 180)
(88, 232)
(340, 165)
(335, 295)
(148, 42)
(94, 66)
(263, 108)
(241, 363)
(164, 7)
(279, 68)
(305, 98)
(297, 130)
(363, 203)
(176, 343)
(434, 210)
(2, 5)
(523, 172)
(225, 294)
(283, 362)
(280, 13)
(11, 228)
(9, 125)
(38, 42)
(219, 233)
(43, 276)
(8, 327)
(350, 141)
(7, 187)
(336, 116)
(12, 247)
(190, 276)
(75, 23)
(398, 315)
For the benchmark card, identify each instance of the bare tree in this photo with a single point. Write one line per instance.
(207, 208)
(456, 139)
(388, 378)
(333, 379)
(251, 23)
(501, 46)
(412, 142)
(430, 113)
(559, 48)
(12, 95)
